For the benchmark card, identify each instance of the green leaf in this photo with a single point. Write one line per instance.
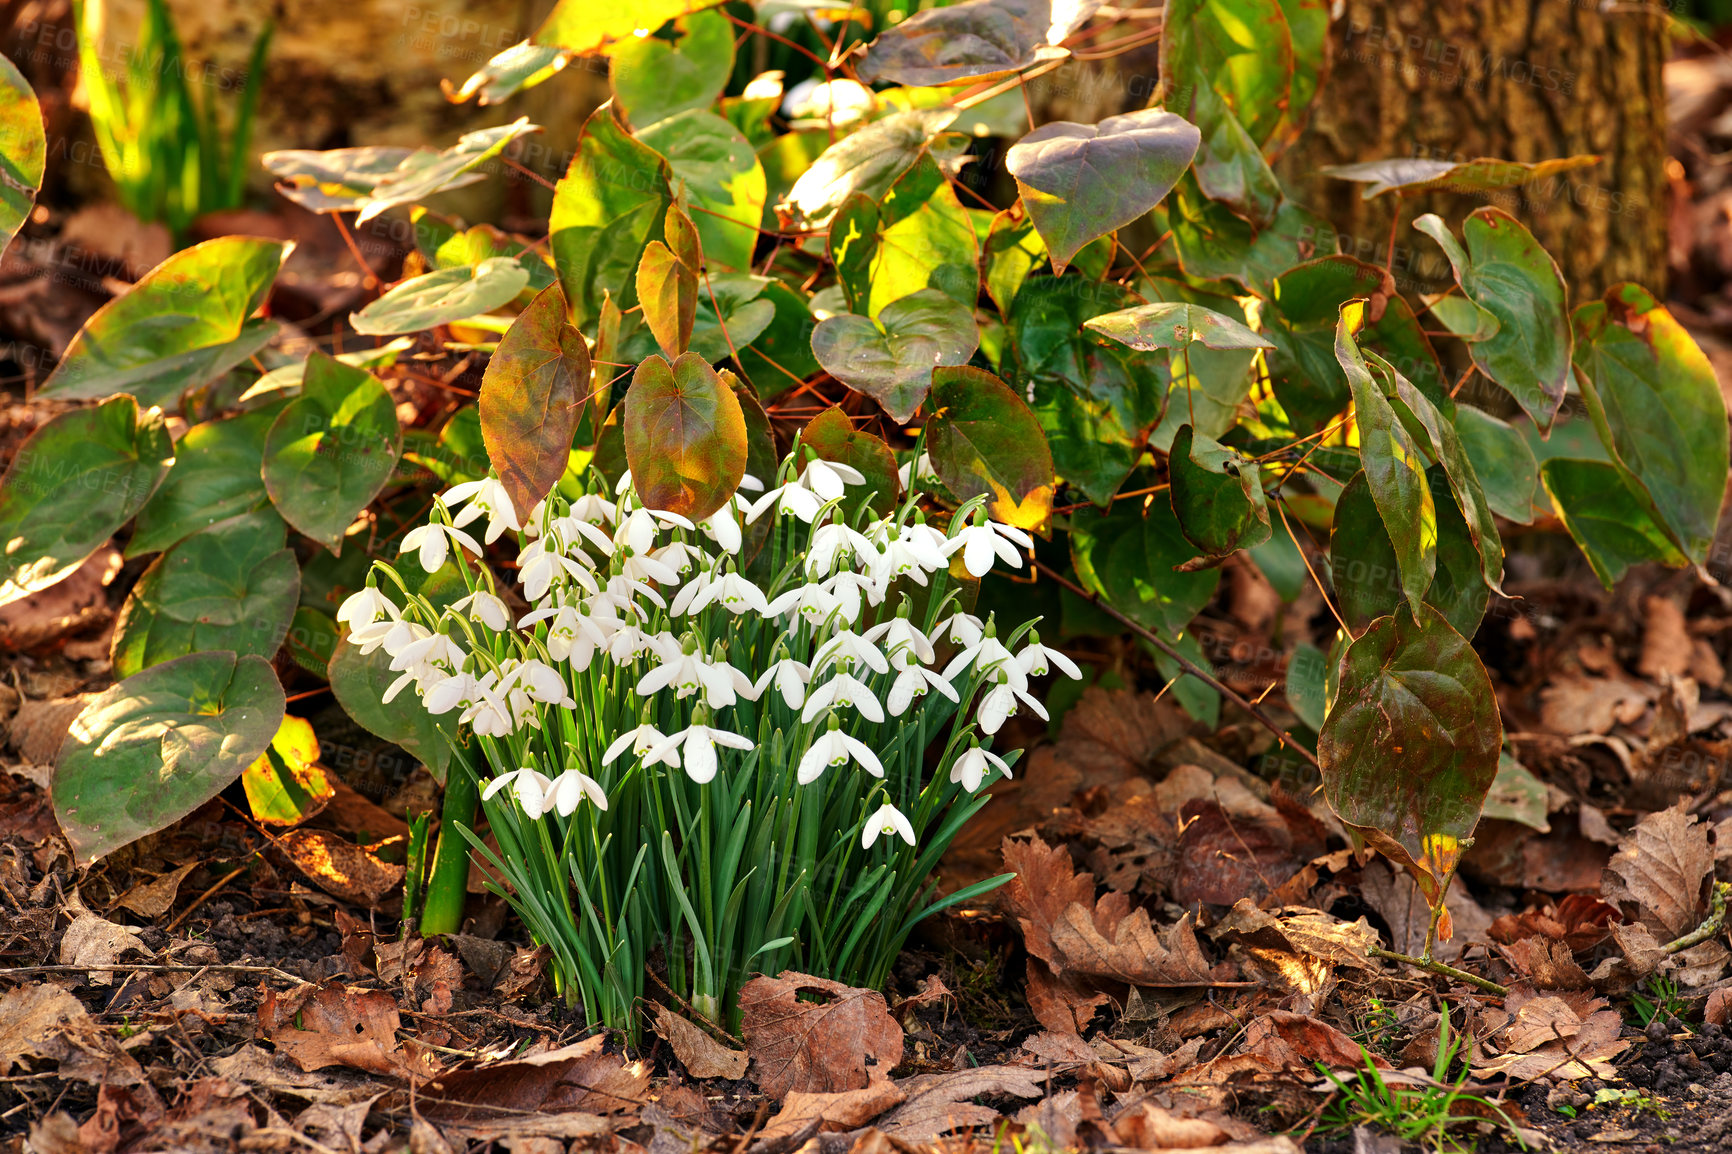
(443, 297)
(1217, 495)
(426, 172)
(582, 26)
(685, 437)
(72, 484)
(780, 357)
(1300, 319)
(1081, 181)
(1240, 49)
(1131, 555)
(867, 163)
(1213, 244)
(215, 477)
(531, 397)
(972, 41)
(1517, 795)
(1393, 467)
(1306, 670)
(1205, 386)
(331, 449)
(1095, 399)
(891, 359)
(833, 437)
(1013, 249)
(984, 440)
(723, 178)
(23, 150)
(1502, 461)
(667, 283)
(313, 636)
(917, 238)
(1230, 168)
(158, 745)
(509, 72)
(1175, 325)
(746, 312)
(232, 586)
(1411, 743)
(1507, 275)
(1280, 560)
(341, 179)
(655, 77)
(359, 683)
(1367, 576)
(1410, 175)
(1308, 29)
(606, 208)
(286, 785)
(182, 324)
(1658, 407)
(1609, 522)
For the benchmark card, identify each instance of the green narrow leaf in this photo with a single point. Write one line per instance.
(531, 397)
(891, 359)
(685, 437)
(71, 486)
(331, 450)
(1217, 495)
(1411, 743)
(984, 440)
(158, 745)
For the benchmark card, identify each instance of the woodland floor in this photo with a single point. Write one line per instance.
(224, 986)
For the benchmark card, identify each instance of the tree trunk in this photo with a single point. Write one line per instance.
(1523, 80)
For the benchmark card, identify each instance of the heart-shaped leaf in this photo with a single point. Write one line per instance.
(983, 439)
(443, 297)
(891, 359)
(1367, 576)
(917, 237)
(158, 745)
(286, 785)
(1214, 244)
(1410, 746)
(1238, 49)
(1230, 168)
(425, 171)
(531, 397)
(1411, 175)
(867, 163)
(331, 449)
(655, 77)
(582, 26)
(1217, 495)
(183, 323)
(1175, 325)
(1502, 461)
(1506, 274)
(667, 283)
(521, 66)
(685, 437)
(341, 179)
(723, 178)
(1095, 398)
(975, 40)
(1081, 181)
(1131, 555)
(232, 586)
(71, 486)
(215, 477)
(23, 150)
(1655, 399)
(1609, 522)
(833, 437)
(606, 208)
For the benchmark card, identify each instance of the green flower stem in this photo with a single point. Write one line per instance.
(1433, 966)
(442, 911)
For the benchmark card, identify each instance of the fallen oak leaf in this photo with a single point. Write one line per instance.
(1286, 1044)
(1659, 875)
(840, 1043)
(338, 1025)
(701, 1055)
(1135, 953)
(1559, 1036)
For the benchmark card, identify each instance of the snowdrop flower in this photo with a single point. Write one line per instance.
(902, 640)
(689, 595)
(912, 682)
(574, 634)
(987, 654)
(401, 635)
(694, 750)
(963, 628)
(432, 543)
(792, 498)
(899, 554)
(449, 693)
(790, 678)
(1036, 660)
(732, 592)
(723, 526)
(832, 748)
(432, 654)
(687, 672)
(984, 540)
(970, 769)
(842, 689)
(486, 498)
(828, 479)
(1000, 703)
(595, 509)
(640, 741)
(539, 680)
(678, 556)
(365, 607)
(814, 604)
(542, 561)
(848, 587)
(571, 789)
(529, 787)
(919, 469)
(846, 645)
(888, 819)
(484, 607)
(828, 544)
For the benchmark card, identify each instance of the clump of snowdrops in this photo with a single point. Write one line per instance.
(715, 748)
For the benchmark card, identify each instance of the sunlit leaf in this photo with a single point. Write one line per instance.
(1013, 250)
(443, 297)
(153, 748)
(1213, 244)
(866, 162)
(1217, 495)
(583, 26)
(833, 437)
(215, 477)
(1240, 49)
(723, 178)
(71, 486)
(1304, 684)
(917, 237)
(685, 437)
(521, 66)
(23, 150)
(654, 78)
(341, 179)
(1608, 521)
(1410, 746)
(891, 359)
(1175, 325)
(1504, 463)
(1131, 555)
(747, 311)
(1367, 576)
(984, 440)
(291, 786)
(531, 399)
(184, 322)
(1410, 175)
(667, 283)
(426, 172)
(973, 41)
(1081, 181)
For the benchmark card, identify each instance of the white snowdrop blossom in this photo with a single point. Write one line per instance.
(1000, 703)
(842, 689)
(790, 678)
(912, 682)
(836, 748)
(529, 786)
(484, 498)
(971, 768)
(985, 541)
(887, 819)
(431, 544)
(1036, 660)
(694, 749)
(571, 789)
(484, 607)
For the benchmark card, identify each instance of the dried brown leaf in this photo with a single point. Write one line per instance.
(340, 867)
(95, 941)
(1659, 874)
(1045, 885)
(1125, 947)
(700, 1054)
(839, 1043)
(1666, 641)
(154, 898)
(837, 1111)
(342, 1025)
(1146, 1126)
(1224, 856)
(938, 1104)
(31, 1017)
(1561, 1037)
(578, 1079)
(1064, 1005)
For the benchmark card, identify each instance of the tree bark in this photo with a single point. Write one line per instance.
(1523, 80)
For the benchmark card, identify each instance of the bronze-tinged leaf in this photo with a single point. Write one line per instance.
(984, 439)
(1410, 748)
(338, 1025)
(579, 1078)
(833, 437)
(531, 399)
(700, 1054)
(685, 436)
(843, 1042)
(667, 283)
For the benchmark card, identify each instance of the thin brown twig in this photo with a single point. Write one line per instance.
(157, 967)
(204, 897)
